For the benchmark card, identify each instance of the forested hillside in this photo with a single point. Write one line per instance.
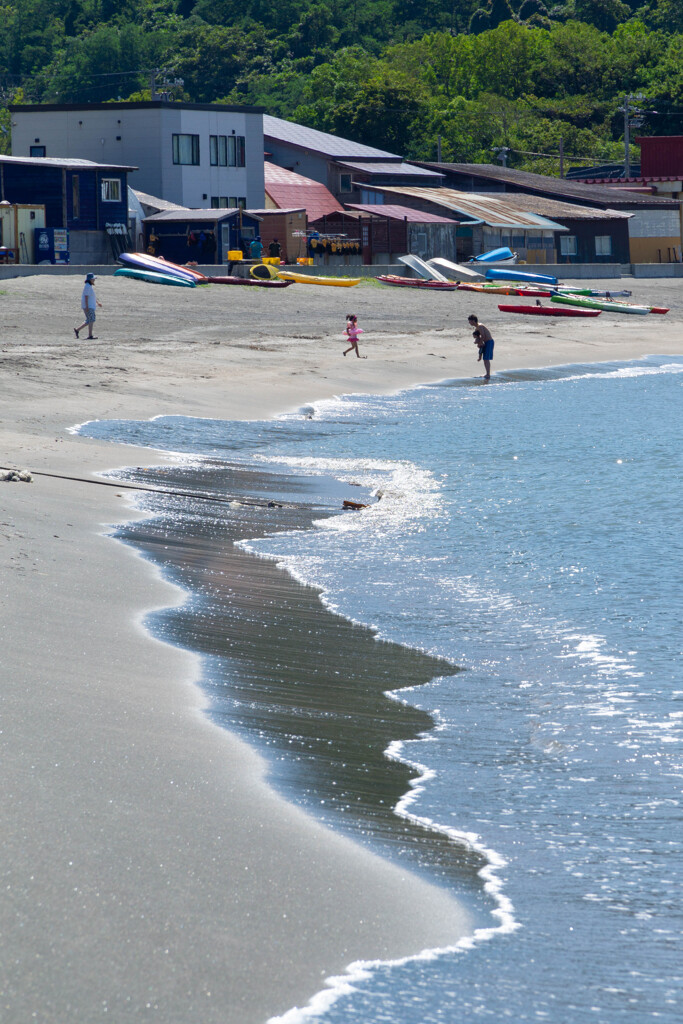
(401, 75)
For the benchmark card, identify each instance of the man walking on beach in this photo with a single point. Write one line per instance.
(88, 304)
(486, 341)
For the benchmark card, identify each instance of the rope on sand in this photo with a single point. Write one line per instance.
(221, 499)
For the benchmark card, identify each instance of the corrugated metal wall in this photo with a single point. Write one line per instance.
(661, 156)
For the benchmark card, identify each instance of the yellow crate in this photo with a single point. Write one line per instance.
(305, 261)
(270, 259)
(235, 254)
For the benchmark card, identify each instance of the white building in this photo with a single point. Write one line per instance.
(198, 155)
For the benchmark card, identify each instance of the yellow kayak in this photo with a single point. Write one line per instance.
(337, 282)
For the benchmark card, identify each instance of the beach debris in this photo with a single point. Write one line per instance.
(355, 505)
(21, 475)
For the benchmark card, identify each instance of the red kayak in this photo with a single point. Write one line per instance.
(417, 282)
(550, 310)
(253, 282)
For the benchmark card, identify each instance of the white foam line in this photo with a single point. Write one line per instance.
(361, 970)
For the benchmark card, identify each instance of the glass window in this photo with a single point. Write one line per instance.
(232, 151)
(603, 245)
(568, 245)
(186, 149)
(37, 151)
(218, 148)
(111, 190)
(240, 150)
(344, 182)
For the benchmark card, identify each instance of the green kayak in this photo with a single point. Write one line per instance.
(609, 305)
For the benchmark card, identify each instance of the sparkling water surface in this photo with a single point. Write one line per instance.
(529, 531)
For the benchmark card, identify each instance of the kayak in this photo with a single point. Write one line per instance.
(338, 282)
(456, 269)
(416, 282)
(143, 261)
(566, 289)
(605, 304)
(549, 311)
(500, 255)
(508, 289)
(423, 268)
(249, 281)
(151, 277)
(498, 274)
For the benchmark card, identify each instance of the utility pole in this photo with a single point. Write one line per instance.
(438, 149)
(561, 157)
(631, 120)
(502, 154)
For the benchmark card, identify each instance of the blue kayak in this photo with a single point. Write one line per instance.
(500, 255)
(499, 274)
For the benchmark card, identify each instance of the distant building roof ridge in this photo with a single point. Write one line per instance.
(597, 194)
(65, 161)
(333, 146)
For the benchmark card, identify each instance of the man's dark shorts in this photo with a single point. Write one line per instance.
(488, 349)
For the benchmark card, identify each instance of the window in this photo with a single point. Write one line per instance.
(219, 202)
(75, 196)
(344, 182)
(568, 245)
(186, 149)
(218, 148)
(368, 197)
(236, 150)
(111, 190)
(603, 245)
(37, 151)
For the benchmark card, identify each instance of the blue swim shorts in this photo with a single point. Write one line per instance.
(488, 349)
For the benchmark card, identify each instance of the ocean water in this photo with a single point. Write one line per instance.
(526, 533)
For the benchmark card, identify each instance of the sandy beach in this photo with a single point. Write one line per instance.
(149, 870)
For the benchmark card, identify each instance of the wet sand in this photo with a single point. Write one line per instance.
(149, 868)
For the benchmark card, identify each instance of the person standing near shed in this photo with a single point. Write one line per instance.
(485, 341)
(88, 303)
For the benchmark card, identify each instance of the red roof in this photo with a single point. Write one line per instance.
(395, 212)
(292, 191)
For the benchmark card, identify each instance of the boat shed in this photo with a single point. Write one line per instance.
(200, 236)
(389, 230)
(592, 235)
(288, 227)
(88, 199)
(483, 221)
(654, 227)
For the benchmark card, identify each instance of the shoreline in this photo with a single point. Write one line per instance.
(110, 843)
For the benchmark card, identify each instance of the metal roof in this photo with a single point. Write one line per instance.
(602, 195)
(392, 167)
(322, 142)
(154, 202)
(212, 215)
(394, 212)
(494, 212)
(69, 163)
(555, 207)
(289, 190)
